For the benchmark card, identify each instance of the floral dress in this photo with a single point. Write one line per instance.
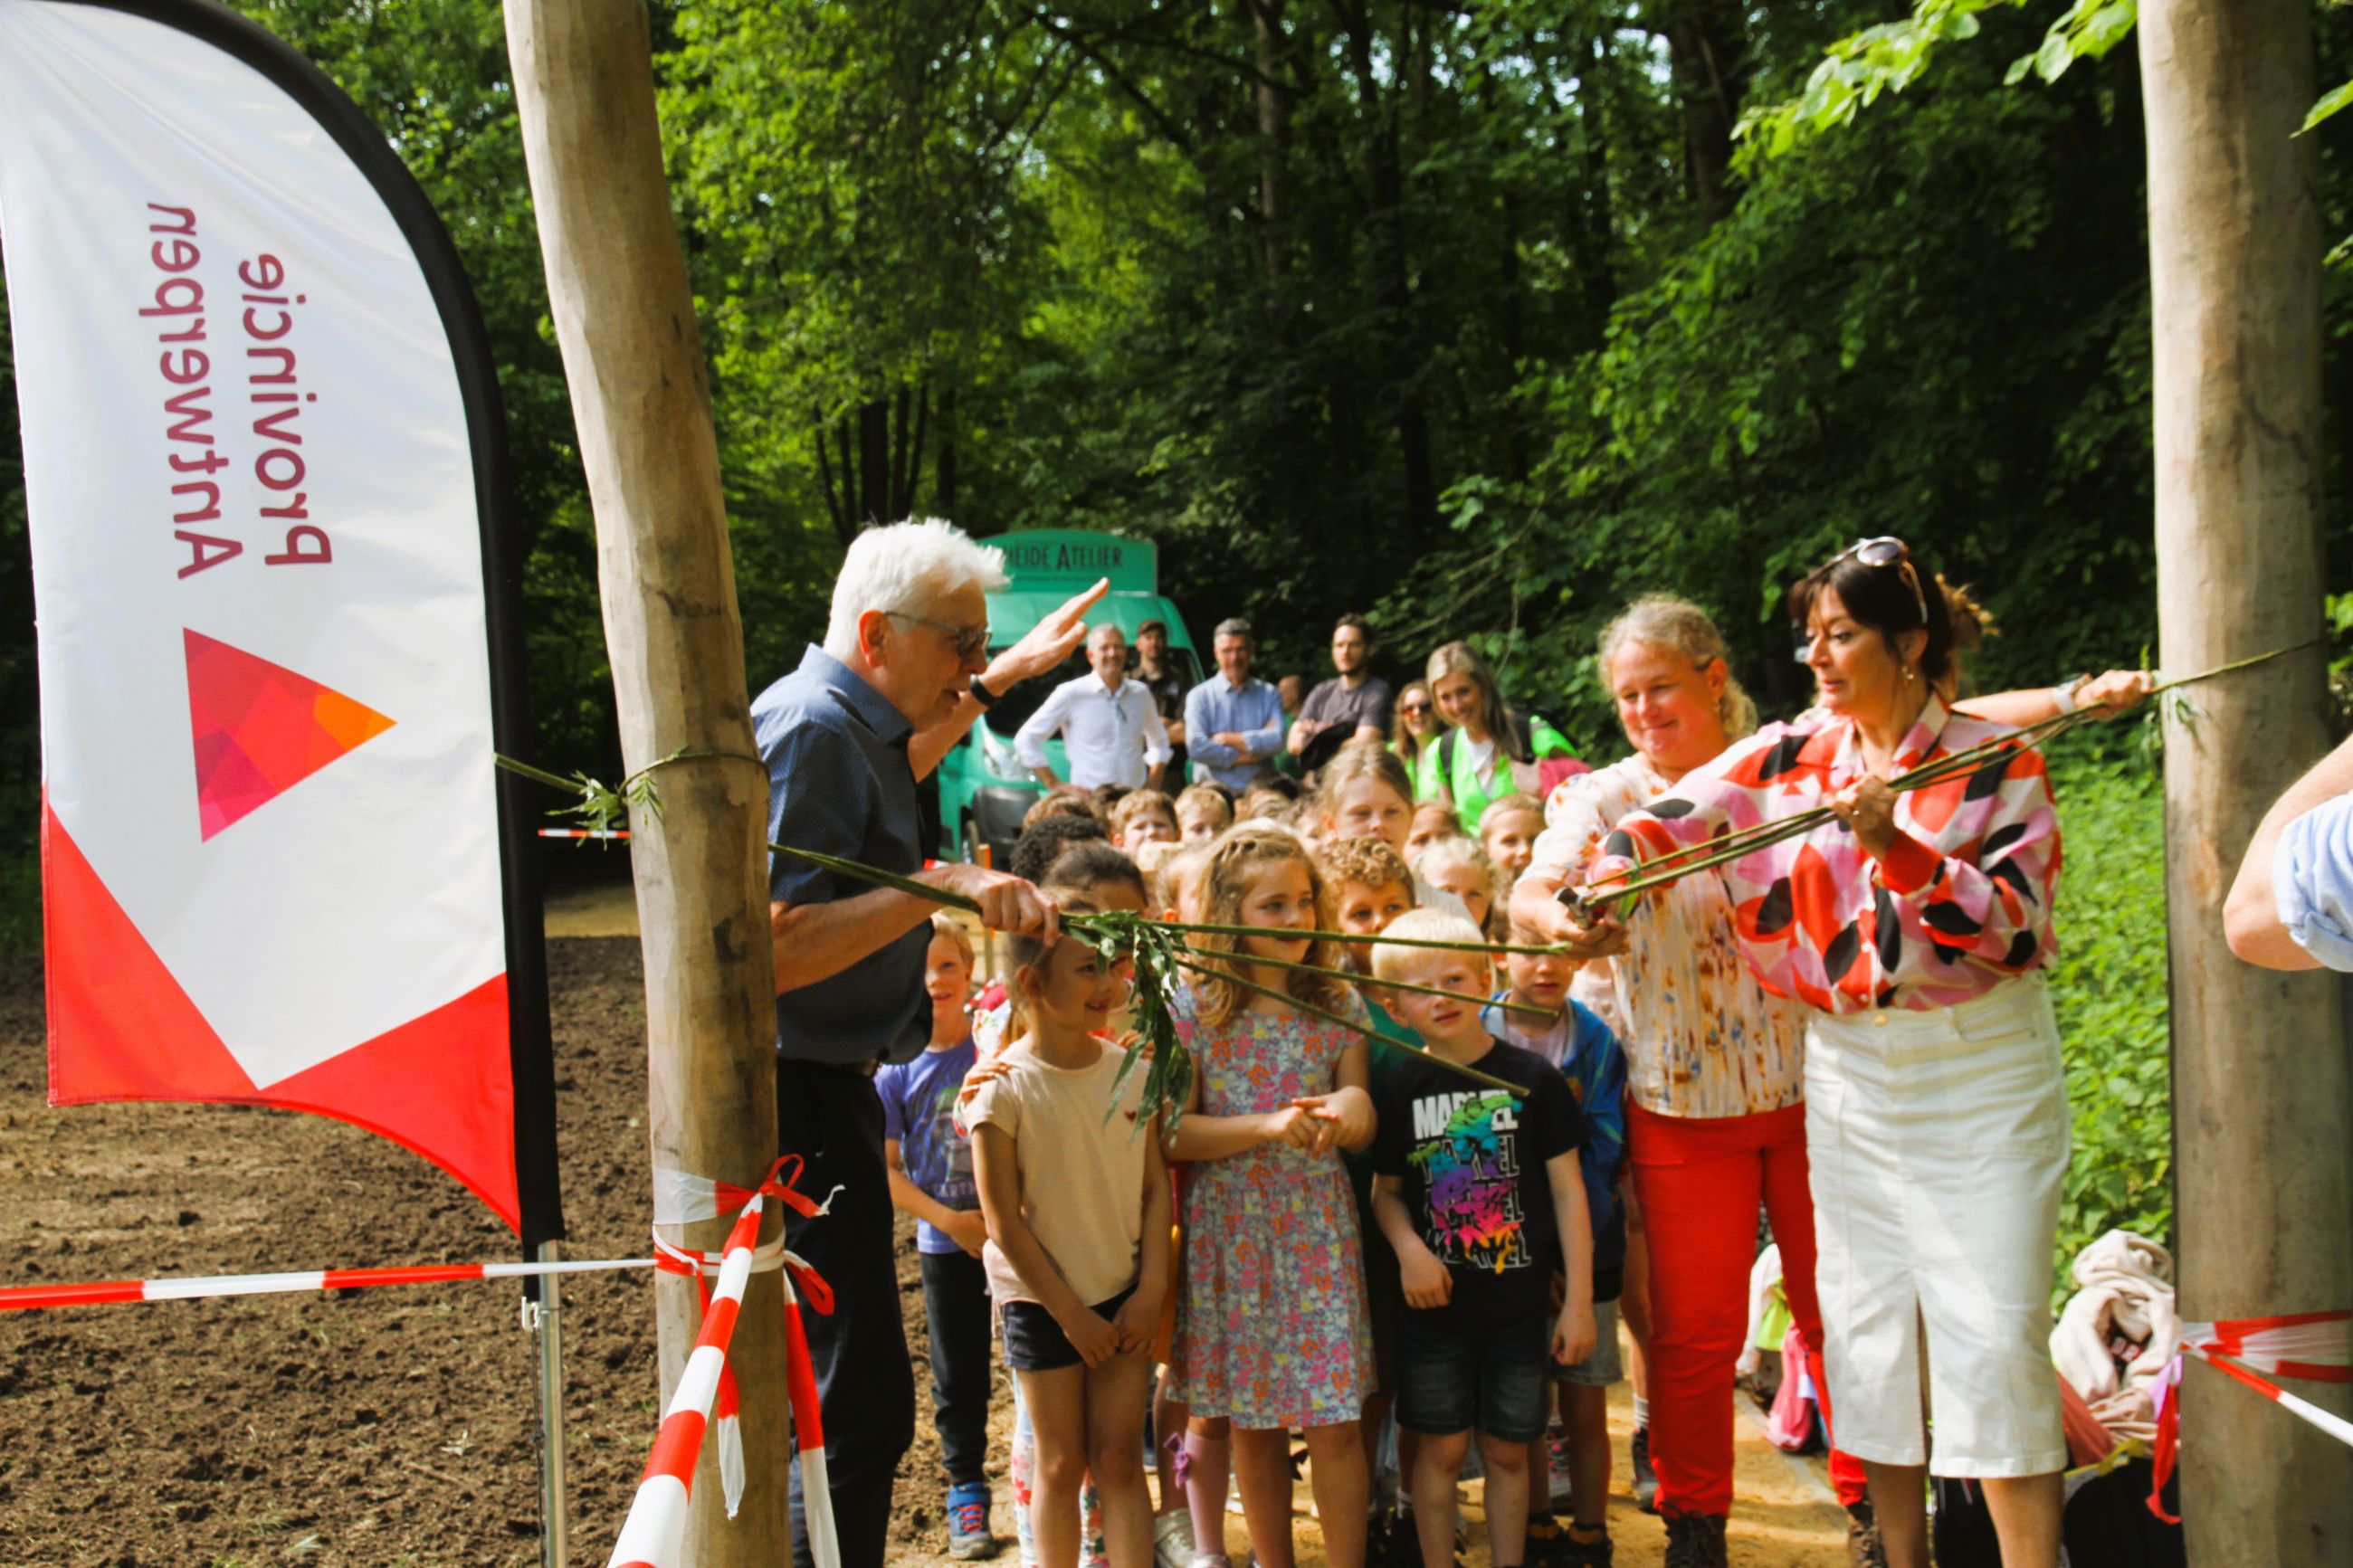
(1271, 1329)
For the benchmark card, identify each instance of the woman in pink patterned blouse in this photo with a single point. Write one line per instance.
(1715, 1081)
(1914, 926)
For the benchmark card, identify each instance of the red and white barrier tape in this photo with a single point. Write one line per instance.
(655, 1529)
(198, 1287)
(2309, 1345)
(621, 835)
(652, 1534)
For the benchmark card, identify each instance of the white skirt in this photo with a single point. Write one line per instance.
(1937, 1142)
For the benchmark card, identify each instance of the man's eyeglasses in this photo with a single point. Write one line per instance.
(971, 642)
(1884, 552)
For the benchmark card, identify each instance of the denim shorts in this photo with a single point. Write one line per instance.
(1035, 1342)
(1605, 1366)
(1454, 1379)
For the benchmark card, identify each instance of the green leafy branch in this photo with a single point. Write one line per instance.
(1859, 69)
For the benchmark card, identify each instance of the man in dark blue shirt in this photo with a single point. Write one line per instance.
(903, 673)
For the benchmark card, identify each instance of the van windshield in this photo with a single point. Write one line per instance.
(1014, 708)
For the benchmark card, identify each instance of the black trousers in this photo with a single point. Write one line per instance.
(955, 1302)
(832, 1119)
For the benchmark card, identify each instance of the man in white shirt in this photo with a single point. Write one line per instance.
(1110, 724)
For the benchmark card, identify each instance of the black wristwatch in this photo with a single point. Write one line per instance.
(982, 694)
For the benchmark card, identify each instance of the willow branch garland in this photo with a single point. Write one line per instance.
(1594, 898)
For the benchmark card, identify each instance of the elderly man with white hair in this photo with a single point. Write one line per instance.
(1109, 725)
(904, 672)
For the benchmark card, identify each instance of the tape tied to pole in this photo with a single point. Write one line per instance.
(2314, 1346)
(683, 1198)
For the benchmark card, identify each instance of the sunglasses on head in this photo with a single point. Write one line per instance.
(1884, 552)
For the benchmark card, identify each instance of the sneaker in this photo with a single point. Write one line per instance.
(1646, 1479)
(1546, 1537)
(1694, 1541)
(1580, 1554)
(1564, 1490)
(1863, 1547)
(1171, 1540)
(968, 1536)
(1391, 1543)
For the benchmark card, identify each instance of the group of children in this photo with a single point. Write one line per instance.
(1345, 1223)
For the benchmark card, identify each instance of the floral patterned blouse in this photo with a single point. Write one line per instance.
(1959, 904)
(1702, 1035)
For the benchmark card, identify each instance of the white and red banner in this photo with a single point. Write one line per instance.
(263, 467)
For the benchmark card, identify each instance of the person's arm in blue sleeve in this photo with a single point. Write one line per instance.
(2253, 919)
(1267, 739)
(1202, 747)
(814, 799)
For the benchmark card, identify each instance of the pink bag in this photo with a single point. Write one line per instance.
(1790, 1426)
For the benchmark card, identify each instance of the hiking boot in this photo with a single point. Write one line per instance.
(1579, 1549)
(1646, 1479)
(1696, 1541)
(968, 1536)
(1546, 1536)
(1563, 1490)
(1863, 1547)
(1171, 1540)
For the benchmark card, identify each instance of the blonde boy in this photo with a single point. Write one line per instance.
(1477, 1190)
(1203, 811)
(1580, 1046)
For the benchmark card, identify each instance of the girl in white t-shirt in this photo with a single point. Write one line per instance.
(1077, 1202)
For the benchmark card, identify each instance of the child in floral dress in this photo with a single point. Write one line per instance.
(1271, 1330)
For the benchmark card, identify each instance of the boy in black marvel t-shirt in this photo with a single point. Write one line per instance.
(1478, 1192)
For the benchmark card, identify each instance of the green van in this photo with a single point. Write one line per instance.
(984, 788)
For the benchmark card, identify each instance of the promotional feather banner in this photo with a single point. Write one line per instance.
(264, 467)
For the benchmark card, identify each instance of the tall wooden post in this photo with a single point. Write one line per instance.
(624, 317)
(2265, 1204)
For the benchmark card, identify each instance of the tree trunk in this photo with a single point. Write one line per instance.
(1393, 273)
(947, 463)
(2260, 1068)
(1274, 141)
(874, 463)
(1710, 56)
(625, 321)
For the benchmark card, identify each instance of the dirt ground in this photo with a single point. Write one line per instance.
(397, 1426)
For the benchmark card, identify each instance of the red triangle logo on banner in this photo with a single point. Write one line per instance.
(259, 729)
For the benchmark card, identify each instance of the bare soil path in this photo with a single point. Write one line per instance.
(396, 1426)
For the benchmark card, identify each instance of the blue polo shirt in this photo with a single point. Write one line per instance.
(838, 782)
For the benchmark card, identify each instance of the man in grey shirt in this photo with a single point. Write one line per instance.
(1352, 705)
(902, 675)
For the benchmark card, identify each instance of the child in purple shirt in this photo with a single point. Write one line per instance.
(931, 1171)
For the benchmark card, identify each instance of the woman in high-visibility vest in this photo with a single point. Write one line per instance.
(1487, 751)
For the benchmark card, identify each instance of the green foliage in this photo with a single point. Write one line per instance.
(2109, 990)
(1857, 69)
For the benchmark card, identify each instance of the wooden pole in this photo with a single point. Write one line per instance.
(2265, 1203)
(624, 317)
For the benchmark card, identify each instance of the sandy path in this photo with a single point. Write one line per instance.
(1787, 1516)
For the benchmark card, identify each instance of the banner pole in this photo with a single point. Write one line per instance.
(555, 1542)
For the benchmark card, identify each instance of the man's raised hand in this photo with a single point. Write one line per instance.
(1047, 644)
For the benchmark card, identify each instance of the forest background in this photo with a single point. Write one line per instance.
(1479, 317)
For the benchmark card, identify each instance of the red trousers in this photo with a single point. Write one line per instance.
(1699, 1181)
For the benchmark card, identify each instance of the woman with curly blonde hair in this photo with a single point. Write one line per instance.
(1271, 1330)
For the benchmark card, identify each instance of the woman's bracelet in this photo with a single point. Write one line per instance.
(2064, 693)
